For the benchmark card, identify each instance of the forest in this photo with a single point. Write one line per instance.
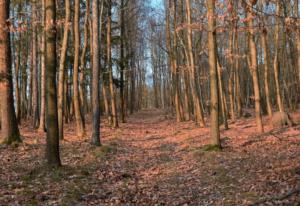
(150, 102)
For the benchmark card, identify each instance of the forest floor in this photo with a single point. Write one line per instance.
(152, 160)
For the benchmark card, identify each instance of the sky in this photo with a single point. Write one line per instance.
(156, 3)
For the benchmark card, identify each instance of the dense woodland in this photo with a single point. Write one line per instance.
(76, 72)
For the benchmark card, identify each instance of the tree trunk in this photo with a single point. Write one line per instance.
(254, 69)
(35, 107)
(9, 125)
(109, 62)
(77, 106)
(17, 76)
(122, 61)
(61, 71)
(298, 37)
(276, 61)
(222, 96)
(193, 78)
(172, 62)
(212, 53)
(266, 71)
(43, 70)
(52, 146)
(95, 139)
(82, 75)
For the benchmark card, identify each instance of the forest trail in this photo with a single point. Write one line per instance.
(152, 160)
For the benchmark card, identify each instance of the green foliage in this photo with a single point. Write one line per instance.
(75, 191)
(211, 148)
(103, 150)
(13, 141)
(55, 174)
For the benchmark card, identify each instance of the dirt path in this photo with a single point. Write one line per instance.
(152, 160)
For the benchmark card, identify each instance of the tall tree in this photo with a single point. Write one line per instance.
(253, 65)
(212, 53)
(122, 60)
(77, 106)
(172, 61)
(43, 70)
(193, 73)
(52, 146)
(110, 69)
(35, 105)
(61, 71)
(9, 125)
(266, 70)
(95, 74)
(296, 7)
(276, 57)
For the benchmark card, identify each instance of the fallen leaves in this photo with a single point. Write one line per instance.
(153, 162)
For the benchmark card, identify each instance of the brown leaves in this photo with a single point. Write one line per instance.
(156, 161)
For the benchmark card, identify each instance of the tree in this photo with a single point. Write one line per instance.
(77, 106)
(43, 70)
(194, 83)
(61, 71)
(52, 145)
(35, 106)
(253, 66)
(9, 125)
(110, 69)
(122, 60)
(95, 74)
(212, 53)
(172, 61)
(296, 7)
(276, 58)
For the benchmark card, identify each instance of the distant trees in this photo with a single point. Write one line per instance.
(198, 60)
(250, 58)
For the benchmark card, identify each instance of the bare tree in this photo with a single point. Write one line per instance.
(61, 71)
(9, 125)
(52, 147)
(77, 106)
(212, 53)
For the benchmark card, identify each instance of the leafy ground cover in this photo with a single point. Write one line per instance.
(152, 160)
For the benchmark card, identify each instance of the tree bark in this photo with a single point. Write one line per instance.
(52, 145)
(222, 96)
(9, 125)
(266, 71)
(110, 70)
(193, 78)
(212, 53)
(95, 139)
(254, 69)
(43, 70)
(122, 61)
(172, 61)
(82, 75)
(77, 107)
(276, 63)
(61, 71)
(35, 107)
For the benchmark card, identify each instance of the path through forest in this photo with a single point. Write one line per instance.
(152, 160)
